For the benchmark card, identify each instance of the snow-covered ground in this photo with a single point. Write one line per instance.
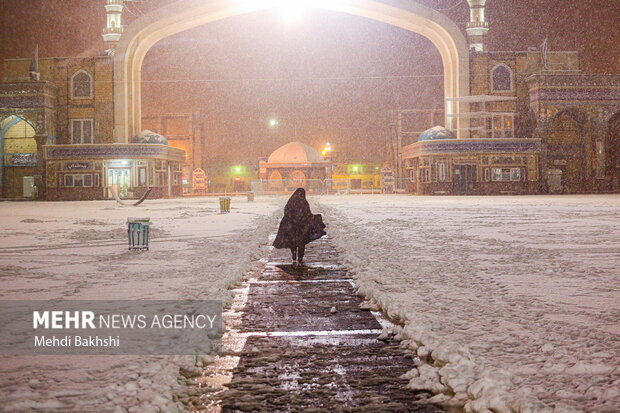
(78, 250)
(516, 299)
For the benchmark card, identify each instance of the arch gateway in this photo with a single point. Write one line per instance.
(182, 15)
(515, 122)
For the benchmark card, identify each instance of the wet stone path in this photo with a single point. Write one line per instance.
(307, 346)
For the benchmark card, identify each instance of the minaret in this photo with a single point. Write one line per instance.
(114, 28)
(477, 26)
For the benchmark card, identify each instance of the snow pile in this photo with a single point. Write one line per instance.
(510, 303)
(78, 250)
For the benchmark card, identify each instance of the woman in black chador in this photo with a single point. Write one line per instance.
(298, 226)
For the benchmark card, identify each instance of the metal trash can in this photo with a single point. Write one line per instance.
(138, 233)
(250, 196)
(224, 204)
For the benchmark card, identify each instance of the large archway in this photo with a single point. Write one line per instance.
(18, 157)
(182, 15)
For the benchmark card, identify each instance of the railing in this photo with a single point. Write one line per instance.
(324, 186)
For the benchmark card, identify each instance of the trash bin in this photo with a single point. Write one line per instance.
(250, 196)
(224, 204)
(138, 233)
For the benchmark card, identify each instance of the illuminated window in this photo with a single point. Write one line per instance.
(502, 126)
(505, 174)
(81, 85)
(501, 78)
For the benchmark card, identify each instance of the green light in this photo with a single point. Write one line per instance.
(273, 123)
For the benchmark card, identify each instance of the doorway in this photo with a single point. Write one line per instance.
(464, 178)
(119, 180)
(238, 185)
(28, 187)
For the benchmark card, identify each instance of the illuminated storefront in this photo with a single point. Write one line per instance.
(83, 172)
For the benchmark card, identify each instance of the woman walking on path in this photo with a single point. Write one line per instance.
(298, 226)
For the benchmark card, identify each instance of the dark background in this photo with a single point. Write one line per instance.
(329, 77)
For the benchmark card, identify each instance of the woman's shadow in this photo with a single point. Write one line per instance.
(296, 272)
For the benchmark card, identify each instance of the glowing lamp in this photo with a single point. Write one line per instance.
(290, 10)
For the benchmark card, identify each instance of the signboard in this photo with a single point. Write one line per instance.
(78, 166)
(119, 164)
(199, 181)
(20, 159)
(388, 183)
(472, 145)
(114, 151)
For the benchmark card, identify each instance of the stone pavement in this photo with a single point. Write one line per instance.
(305, 345)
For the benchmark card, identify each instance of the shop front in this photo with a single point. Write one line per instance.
(85, 172)
(473, 166)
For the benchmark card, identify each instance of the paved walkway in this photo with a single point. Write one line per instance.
(307, 346)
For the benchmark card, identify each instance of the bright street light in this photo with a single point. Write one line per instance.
(327, 149)
(275, 123)
(290, 10)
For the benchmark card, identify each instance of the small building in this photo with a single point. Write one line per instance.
(441, 164)
(295, 165)
(356, 177)
(56, 136)
(230, 178)
(98, 171)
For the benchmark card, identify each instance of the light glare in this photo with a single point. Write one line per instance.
(290, 10)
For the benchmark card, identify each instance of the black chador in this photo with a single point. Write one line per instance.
(299, 226)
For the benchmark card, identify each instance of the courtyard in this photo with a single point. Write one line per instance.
(505, 302)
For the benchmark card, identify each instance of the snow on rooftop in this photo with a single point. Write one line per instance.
(295, 152)
(481, 99)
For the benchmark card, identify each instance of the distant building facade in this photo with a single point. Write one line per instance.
(56, 134)
(182, 131)
(536, 124)
(292, 166)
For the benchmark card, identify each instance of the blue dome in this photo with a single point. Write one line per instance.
(436, 132)
(147, 136)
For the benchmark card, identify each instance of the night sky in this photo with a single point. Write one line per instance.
(329, 77)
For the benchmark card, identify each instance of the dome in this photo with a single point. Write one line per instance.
(436, 132)
(295, 152)
(147, 136)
